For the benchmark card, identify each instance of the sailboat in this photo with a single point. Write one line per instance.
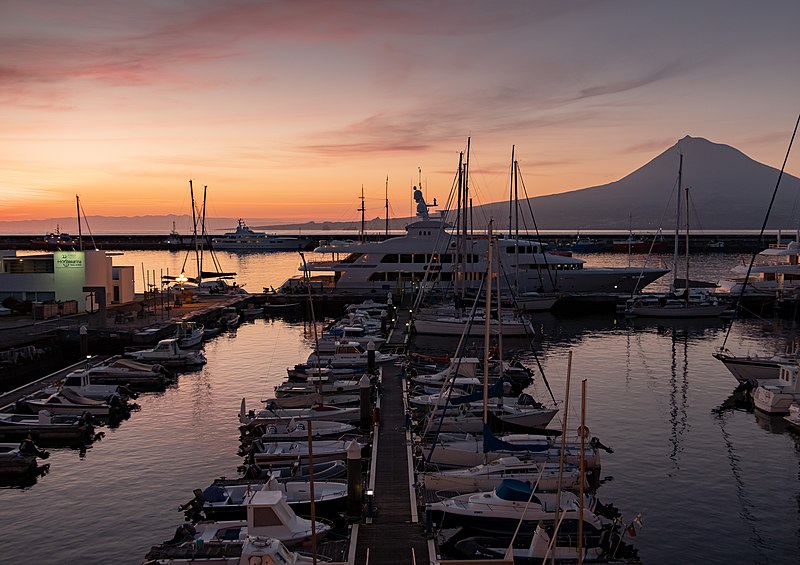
(687, 304)
(205, 282)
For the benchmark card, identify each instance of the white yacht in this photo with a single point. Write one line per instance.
(245, 239)
(429, 254)
(776, 270)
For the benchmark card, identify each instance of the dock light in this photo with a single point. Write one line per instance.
(370, 509)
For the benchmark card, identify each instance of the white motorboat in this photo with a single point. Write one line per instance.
(535, 302)
(168, 353)
(315, 413)
(81, 383)
(775, 272)
(427, 254)
(254, 549)
(17, 459)
(45, 426)
(189, 334)
(776, 396)
(698, 304)
(323, 385)
(132, 374)
(222, 501)
(793, 418)
(246, 239)
(297, 430)
(68, 402)
(349, 354)
(268, 515)
(467, 450)
(287, 452)
(229, 317)
(753, 369)
(457, 324)
(489, 476)
(510, 505)
(603, 545)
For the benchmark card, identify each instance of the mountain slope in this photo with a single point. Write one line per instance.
(728, 190)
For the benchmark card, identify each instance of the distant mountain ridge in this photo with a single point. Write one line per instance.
(728, 191)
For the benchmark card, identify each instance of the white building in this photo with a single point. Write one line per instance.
(62, 276)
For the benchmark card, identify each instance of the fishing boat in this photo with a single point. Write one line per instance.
(19, 459)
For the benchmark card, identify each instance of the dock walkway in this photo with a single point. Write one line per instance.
(392, 533)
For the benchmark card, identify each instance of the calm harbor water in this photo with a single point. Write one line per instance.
(714, 482)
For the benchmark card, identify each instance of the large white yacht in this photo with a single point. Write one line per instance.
(245, 239)
(776, 270)
(431, 255)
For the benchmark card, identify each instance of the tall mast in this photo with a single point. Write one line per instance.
(466, 187)
(459, 238)
(194, 230)
(686, 289)
(203, 229)
(511, 193)
(677, 223)
(488, 317)
(80, 235)
(387, 206)
(362, 235)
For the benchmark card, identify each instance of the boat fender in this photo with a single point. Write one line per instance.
(271, 429)
(300, 426)
(583, 431)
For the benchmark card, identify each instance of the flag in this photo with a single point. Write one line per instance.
(632, 530)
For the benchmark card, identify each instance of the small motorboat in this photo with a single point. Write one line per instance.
(67, 401)
(287, 452)
(222, 501)
(189, 334)
(254, 549)
(315, 413)
(20, 459)
(168, 353)
(132, 374)
(322, 471)
(45, 427)
(230, 317)
(294, 430)
(268, 515)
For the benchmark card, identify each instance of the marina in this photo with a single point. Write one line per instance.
(669, 410)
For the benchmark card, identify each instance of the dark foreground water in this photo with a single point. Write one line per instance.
(714, 482)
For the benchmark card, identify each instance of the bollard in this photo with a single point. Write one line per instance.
(365, 397)
(384, 322)
(84, 341)
(355, 482)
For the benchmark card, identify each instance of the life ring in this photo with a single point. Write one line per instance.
(583, 431)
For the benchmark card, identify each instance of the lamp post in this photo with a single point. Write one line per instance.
(181, 279)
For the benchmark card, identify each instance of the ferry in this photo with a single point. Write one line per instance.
(429, 254)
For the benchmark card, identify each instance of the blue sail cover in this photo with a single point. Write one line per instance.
(515, 491)
(493, 443)
(495, 391)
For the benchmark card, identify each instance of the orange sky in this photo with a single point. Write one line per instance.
(284, 109)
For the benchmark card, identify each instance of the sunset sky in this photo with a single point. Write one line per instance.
(284, 109)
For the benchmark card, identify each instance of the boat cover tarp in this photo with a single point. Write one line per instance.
(495, 391)
(214, 493)
(494, 443)
(515, 490)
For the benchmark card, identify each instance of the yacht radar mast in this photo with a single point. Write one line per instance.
(422, 206)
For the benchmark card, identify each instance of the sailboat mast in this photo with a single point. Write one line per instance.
(459, 238)
(80, 235)
(387, 206)
(466, 187)
(362, 209)
(511, 193)
(686, 289)
(194, 230)
(677, 223)
(203, 229)
(487, 316)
